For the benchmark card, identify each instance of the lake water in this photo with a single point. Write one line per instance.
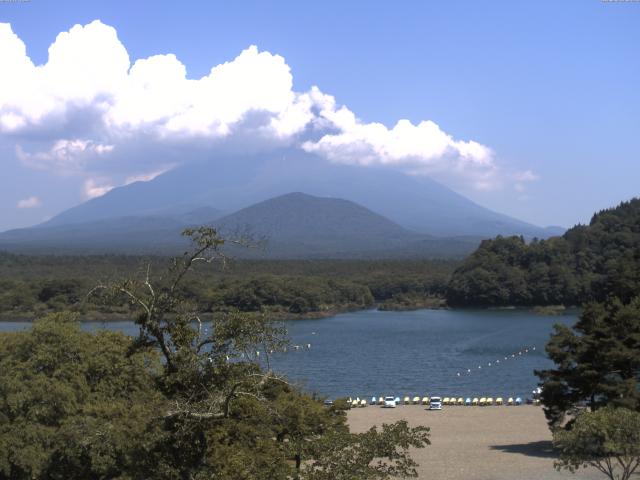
(410, 353)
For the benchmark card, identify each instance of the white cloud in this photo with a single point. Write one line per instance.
(93, 188)
(89, 103)
(65, 155)
(31, 202)
(145, 177)
(522, 178)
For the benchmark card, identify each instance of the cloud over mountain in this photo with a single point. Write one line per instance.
(31, 202)
(93, 112)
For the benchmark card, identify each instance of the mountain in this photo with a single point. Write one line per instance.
(298, 225)
(295, 225)
(230, 183)
(130, 234)
(298, 217)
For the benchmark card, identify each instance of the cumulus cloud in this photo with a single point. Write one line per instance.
(87, 108)
(31, 202)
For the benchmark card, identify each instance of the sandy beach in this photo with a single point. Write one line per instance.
(477, 443)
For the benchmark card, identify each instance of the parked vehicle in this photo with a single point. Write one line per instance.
(389, 402)
(435, 404)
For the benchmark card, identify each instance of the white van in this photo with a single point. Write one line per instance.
(389, 402)
(436, 403)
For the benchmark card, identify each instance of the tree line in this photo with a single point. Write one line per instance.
(38, 285)
(588, 263)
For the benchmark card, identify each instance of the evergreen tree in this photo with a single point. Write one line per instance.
(597, 361)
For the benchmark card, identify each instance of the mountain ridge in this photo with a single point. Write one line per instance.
(295, 225)
(230, 183)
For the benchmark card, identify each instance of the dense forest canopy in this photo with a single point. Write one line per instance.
(588, 263)
(33, 285)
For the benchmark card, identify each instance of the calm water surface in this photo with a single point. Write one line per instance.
(410, 353)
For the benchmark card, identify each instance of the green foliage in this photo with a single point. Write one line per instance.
(597, 361)
(375, 454)
(288, 289)
(183, 400)
(608, 439)
(588, 263)
(73, 404)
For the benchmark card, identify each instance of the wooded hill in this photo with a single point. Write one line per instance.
(589, 262)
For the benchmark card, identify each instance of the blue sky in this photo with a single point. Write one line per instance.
(548, 89)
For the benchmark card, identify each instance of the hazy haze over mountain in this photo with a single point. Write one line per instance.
(234, 182)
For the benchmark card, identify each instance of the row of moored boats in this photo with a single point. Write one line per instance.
(449, 401)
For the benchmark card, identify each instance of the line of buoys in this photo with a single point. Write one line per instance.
(294, 348)
(517, 354)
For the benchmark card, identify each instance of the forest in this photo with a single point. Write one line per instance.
(37, 285)
(588, 263)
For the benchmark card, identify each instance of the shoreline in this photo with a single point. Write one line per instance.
(99, 317)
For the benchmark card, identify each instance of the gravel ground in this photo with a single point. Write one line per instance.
(477, 443)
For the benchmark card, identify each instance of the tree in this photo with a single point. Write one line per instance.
(608, 439)
(74, 404)
(597, 361)
(588, 263)
(228, 415)
(374, 454)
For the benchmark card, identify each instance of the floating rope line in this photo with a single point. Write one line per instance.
(515, 355)
(257, 353)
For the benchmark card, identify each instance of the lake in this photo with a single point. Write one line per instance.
(419, 352)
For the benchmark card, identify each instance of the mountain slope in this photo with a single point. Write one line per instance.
(298, 216)
(294, 225)
(298, 224)
(150, 234)
(232, 183)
